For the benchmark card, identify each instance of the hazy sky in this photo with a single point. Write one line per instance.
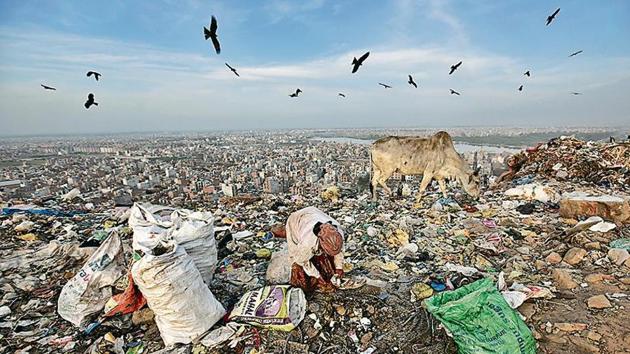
(160, 74)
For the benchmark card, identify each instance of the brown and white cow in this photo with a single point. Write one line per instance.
(433, 158)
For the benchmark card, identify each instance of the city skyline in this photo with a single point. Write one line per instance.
(160, 75)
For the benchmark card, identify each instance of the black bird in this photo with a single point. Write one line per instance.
(212, 33)
(527, 73)
(90, 101)
(411, 82)
(385, 86)
(453, 92)
(576, 53)
(552, 17)
(48, 87)
(454, 67)
(520, 88)
(342, 95)
(233, 70)
(296, 93)
(96, 75)
(358, 62)
(576, 93)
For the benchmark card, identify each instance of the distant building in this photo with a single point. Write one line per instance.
(229, 190)
(272, 186)
(10, 185)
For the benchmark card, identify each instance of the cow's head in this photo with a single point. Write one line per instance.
(471, 183)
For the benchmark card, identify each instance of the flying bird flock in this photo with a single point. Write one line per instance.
(211, 33)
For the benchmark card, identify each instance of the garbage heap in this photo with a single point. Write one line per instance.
(538, 261)
(571, 159)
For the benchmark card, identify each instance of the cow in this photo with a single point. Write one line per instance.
(433, 158)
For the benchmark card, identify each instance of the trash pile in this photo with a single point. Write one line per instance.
(571, 159)
(535, 265)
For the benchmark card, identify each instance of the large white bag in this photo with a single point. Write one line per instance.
(184, 307)
(88, 291)
(150, 225)
(194, 231)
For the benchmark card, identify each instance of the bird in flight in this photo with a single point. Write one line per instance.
(454, 67)
(552, 17)
(342, 95)
(453, 92)
(96, 75)
(48, 87)
(527, 73)
(384, 85)
(233, 70)
(520, 88)
(296, 93)
(90, 101)
(358, 62)
(212, 33)
(411, 82)
(575, 53)
(576, 93)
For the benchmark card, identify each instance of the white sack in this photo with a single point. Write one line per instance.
(150, 224)
(279, 269)
(184, 307)
(195, 232)
(88, 291)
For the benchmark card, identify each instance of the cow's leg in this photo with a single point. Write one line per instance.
(376, 174)
(426, 179)
(442, 187)
(384, 176)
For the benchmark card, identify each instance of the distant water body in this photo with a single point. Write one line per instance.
(460, 147)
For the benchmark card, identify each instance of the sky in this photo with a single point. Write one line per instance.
(159, 74)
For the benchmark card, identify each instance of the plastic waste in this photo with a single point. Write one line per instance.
(623, 243)
(279, 307)
(129, 301)
(183, 305)
(88, 291)
(480, 320)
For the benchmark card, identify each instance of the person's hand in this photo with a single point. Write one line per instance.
(324, 286)
(339, 272)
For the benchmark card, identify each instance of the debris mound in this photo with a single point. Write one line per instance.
(571, 159)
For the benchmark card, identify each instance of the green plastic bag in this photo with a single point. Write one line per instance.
(481, 321)
(623, 243)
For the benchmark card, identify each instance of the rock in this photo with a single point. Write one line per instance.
(4, 311)
(598, 302)
(574, 205)
(554, 258)
(618, 255)
(570, 327)
(142, 316)
(527, 309)
(597, 278)
(584, 345)
(594, 336)
(574, 255)
(366, 338)
(593, 246)
(340, 310)
(554, 338)
(563, 279)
